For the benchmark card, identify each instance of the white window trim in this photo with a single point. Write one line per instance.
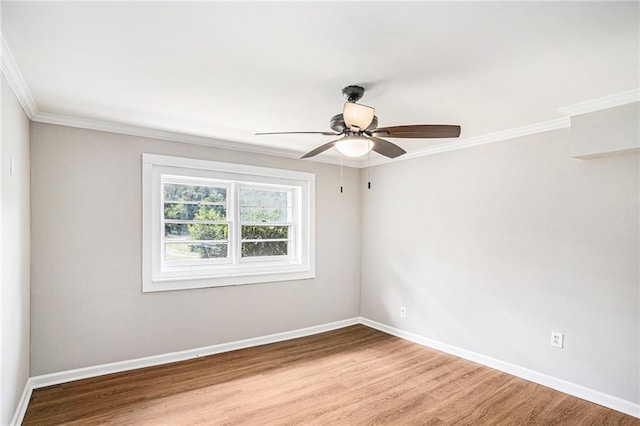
(300, 266)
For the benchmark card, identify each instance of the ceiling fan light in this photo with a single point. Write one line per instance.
(356, 115)
(354, 146)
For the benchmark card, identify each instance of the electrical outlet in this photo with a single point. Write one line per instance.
(557, 339)
(403, 312)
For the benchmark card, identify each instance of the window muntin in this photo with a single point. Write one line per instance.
(210, 224)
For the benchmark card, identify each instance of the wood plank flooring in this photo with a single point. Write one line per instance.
(352, 376)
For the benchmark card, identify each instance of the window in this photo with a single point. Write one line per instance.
(208, 224)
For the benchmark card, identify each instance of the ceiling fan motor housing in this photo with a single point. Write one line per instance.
(339, 126)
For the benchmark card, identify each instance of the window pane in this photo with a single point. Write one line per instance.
(176, 231)
(194, 251)
(199, 231)
(179, 211)
(264, 232)
(264, 205)
(263, 214)
(196, 231)
(263, 197)
(181, 192)
(268, 248)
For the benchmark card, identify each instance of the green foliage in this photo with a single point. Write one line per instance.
(261, 205)
(267, 248)
(202, 231)
(208, 194)
(180, 211)
(256, 205)
(262, 214)
(264, 232)
(262, 197)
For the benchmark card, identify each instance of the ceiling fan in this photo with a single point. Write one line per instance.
(360, 133)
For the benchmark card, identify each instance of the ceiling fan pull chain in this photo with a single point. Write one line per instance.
(341, 174)
(369, 171)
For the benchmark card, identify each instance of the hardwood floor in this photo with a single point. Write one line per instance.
(355, 375)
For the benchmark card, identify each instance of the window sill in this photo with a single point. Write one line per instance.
(185, 283)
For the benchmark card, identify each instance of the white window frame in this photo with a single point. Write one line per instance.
(298, 264)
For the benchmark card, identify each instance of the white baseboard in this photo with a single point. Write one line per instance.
(561, 385)
(21, 409)
(36, 382)
(564, 386)
(117, 367)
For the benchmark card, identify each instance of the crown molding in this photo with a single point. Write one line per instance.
(16, 82)
(594, 105)
(127, 129)
(606, 102)
(546, 126)
(21, 90)
(146, 132)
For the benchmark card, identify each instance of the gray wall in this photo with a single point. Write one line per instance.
(491, 248)
(14, 288)
(87, 305)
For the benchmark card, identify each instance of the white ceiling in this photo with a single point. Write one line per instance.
(227, 70)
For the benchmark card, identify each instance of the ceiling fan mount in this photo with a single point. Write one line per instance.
(360, 133)
(353, 93)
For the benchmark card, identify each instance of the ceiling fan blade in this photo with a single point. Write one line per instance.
(320, 149)
(299, 133)
(426, 131)
(386, 148)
